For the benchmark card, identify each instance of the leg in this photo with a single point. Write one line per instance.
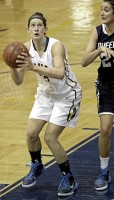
(32, 137)
(51, 138)
(68, 184)
(42, 109)
(34, 147)
(105, 135)
(104, 150)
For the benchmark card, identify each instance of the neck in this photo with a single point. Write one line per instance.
(40, 44)
(110, 28)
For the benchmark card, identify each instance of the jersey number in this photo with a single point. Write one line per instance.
(105, 60)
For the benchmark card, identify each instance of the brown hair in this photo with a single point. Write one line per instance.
(38, 16)
(111, 2)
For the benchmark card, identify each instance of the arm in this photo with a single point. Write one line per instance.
(17, 75)
(91, 53)
(58, 71)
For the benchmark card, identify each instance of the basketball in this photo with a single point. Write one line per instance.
(11, 51)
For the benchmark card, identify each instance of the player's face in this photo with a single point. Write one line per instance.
(107, 13)
(36, 29)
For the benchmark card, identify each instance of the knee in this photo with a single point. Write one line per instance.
(48, 139)
(31, 135)
(105, 132)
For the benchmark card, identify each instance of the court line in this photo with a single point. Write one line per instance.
(77, 63)
(4, 29)
(91, 129)
(4, 72)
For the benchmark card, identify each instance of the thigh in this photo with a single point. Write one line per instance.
(54, 130)
(35, 126)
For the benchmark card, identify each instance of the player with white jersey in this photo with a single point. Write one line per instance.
(56, 91)
(57, 101)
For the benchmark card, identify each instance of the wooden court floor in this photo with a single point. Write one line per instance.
(70, 21)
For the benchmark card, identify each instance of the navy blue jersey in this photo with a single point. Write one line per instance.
(106, 69)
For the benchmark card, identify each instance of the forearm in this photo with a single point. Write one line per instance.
(17, 76)
(49, 72)
(90, 57)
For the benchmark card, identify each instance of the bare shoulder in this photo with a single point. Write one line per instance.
(94, 33)
(27, 44)
(58, 44)
(58, 47)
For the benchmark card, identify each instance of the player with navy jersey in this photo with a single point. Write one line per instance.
(106, 69)
(57, 101)
(101, 44)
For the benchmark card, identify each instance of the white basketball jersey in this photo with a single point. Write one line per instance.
(52, 85)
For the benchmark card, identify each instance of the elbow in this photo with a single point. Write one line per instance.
(83, 64)
(62, 77)
(18, 82)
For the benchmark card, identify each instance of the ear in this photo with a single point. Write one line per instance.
(46, 29)
(27, 29)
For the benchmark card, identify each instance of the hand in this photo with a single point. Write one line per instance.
(107, 51)
(25, 61)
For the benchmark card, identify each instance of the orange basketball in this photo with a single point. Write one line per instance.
(11, 51)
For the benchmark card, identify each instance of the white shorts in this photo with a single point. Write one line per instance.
(58, 109)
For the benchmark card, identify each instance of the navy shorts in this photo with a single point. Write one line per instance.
(105, 98)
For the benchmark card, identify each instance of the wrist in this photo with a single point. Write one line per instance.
(33, 67)
(100, 50)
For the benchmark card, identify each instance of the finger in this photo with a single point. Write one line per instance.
(26, 55)
(108, 54)
(21, 65)
(21, 57)
(20, 61)
(112, 53)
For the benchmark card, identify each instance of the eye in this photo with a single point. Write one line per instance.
(106, 10)
(39, 24)
(32, 25)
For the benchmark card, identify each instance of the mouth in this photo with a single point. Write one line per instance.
(36, 34)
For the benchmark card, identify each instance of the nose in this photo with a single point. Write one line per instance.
(36, 27)
(102, 13)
